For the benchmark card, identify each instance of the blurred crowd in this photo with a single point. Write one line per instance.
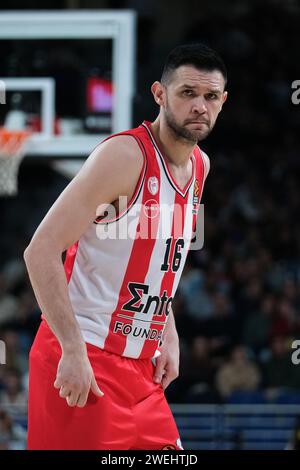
(237, 306)
(39, 186)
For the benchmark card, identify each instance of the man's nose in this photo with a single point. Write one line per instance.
(199, 105)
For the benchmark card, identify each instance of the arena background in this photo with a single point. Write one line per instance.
(237, 307)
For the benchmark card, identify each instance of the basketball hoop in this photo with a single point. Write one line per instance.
(12, 151)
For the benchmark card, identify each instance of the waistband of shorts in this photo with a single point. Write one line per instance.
(49, 336)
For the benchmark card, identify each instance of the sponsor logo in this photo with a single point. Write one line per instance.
(136, 305)
(196, 192)
(196, 197)
(151, 208)
(137, 331)
(169, 447)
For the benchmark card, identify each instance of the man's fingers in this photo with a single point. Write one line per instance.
(72, 399)
(84, 396)
(158, 375)
(82, 400)
(159, 370)
(95, 389)
(58, 382)
(64, 392)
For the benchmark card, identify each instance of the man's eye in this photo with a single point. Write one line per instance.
(211, 96)
(188, 93)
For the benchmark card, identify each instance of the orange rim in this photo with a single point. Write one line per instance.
(12, 140)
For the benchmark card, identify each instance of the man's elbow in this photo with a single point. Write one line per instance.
(34, 251)
(28, 254)
(37, 248)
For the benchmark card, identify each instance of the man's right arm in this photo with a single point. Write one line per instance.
(111, 170)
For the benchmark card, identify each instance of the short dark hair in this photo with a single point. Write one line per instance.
(199, 55)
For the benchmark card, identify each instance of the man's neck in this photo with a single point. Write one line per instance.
(177, 151)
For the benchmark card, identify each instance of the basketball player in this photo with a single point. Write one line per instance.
(107, 347)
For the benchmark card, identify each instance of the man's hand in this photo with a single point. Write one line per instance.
(167, 364)
(75, 378)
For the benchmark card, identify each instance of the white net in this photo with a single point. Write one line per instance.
(12, 151)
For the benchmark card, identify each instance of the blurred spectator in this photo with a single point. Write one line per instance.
(257, 326)
(13, 273)
(8, 303)
(26, 321)
(13, 398)
(12, 435)
(238, 374)
(279, 371)
(195, 293)
(284, 322)
(221, 327)
(198, 372)
(15, 357)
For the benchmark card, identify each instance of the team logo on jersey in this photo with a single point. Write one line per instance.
(153, 185)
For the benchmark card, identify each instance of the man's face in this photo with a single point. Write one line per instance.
(191, 101)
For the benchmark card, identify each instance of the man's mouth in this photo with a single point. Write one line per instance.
(197, 122)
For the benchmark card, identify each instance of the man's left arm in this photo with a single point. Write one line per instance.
(167, 364)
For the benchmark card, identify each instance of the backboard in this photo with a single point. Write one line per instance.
(82, 63)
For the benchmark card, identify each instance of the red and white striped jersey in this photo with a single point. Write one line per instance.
(123, 272)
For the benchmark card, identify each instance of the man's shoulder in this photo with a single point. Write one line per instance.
(135, 133)
(128, 141)
(123, 146)
(118, 159)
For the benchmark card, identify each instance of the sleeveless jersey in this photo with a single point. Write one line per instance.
(124, 271)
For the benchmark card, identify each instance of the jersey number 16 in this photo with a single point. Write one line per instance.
(175, 262)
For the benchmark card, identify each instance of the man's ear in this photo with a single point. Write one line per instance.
(158, 90)
(225, 94)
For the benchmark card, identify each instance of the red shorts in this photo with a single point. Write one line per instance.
(133, 414)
